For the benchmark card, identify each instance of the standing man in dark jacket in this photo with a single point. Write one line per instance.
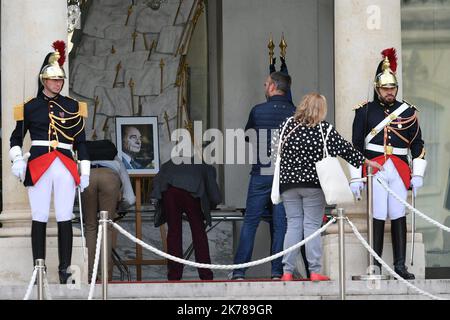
(265, 117)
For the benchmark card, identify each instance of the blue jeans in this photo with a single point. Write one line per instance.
(258, 200)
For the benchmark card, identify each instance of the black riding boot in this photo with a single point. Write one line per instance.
(398, 232)
(378, 240)
(65, 238)
(38, 237)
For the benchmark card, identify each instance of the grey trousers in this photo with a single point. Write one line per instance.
(305, 208)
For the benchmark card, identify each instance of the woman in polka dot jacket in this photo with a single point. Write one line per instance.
(300, 189)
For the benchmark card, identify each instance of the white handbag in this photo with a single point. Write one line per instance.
(275, 195)
(332, 179)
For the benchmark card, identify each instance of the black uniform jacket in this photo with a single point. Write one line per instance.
(51, 119)
(402, 132)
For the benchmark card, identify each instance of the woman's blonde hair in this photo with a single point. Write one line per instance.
(311, 110)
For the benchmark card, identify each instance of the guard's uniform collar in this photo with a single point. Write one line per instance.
(384, 105)
(42, 94)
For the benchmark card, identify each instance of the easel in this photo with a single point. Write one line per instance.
(139, 262)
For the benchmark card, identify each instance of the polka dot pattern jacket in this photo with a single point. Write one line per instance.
(303, 147)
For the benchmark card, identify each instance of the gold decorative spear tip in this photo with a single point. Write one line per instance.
(283, 46)
(152, 47)
(131, 84)
(166, 119)
(271, 46)
(118, 67)
(161, 65)
(145, 41)
(105, 125)
(134, 36)
(96, 103)
(130, 11)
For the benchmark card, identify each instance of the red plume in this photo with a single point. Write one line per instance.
(391, 53)
(60, 46)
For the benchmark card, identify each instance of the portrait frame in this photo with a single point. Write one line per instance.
(139, 158)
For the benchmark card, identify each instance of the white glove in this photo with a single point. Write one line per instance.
(419, 167)
(19, 166)
(356, 188)
(416, 184)
(84, 182)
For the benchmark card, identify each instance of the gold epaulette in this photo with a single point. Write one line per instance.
(358, 106)
(83, 109)
(18, 110)
(411, 105)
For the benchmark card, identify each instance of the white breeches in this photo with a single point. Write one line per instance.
(384, 204)
(58, 178)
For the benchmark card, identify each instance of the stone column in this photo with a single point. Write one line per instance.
(24, 47)
(363, 28)
(28, 29)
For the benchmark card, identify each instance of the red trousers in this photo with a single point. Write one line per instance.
(176, 201)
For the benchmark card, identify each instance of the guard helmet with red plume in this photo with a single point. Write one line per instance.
(53, 63)
(385, 76)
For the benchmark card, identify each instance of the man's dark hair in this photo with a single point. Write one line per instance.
(282, 81)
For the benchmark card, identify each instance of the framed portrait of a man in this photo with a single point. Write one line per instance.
(138, 144)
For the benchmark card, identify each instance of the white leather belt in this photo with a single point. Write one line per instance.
(54, 144)
(389, 150)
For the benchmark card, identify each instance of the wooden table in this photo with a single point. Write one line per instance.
(139, 261)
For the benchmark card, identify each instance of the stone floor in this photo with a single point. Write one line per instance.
(220, 245)
(248, 290)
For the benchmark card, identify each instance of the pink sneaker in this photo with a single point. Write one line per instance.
(287, 277)
(318, 277)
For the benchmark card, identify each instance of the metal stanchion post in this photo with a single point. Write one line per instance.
(340, 214)
(370, 269)
(370, 214)
(105, 258)
(40, 263)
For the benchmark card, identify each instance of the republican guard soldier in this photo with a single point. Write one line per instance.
(387, 130)
(56, 127)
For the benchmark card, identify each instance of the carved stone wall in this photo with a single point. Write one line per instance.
(131, 62)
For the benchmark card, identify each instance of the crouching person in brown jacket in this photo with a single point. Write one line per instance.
(192, 189)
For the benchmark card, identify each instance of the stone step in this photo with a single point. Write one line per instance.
(248, 290)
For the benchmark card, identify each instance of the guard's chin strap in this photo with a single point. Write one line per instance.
(379, 95)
